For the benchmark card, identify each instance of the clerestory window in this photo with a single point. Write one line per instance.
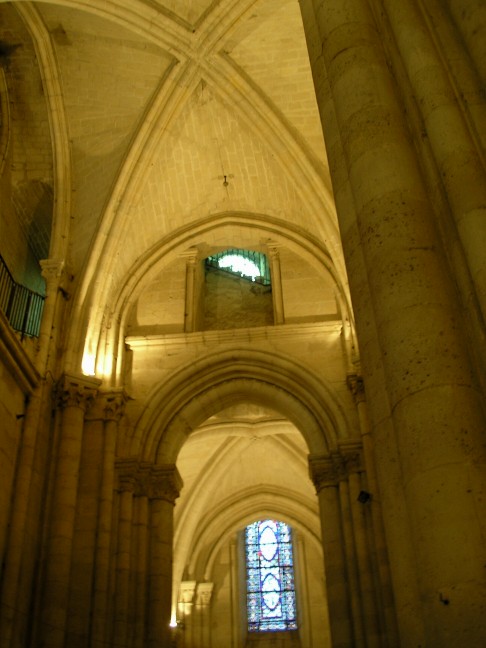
(245, 263)
(270, 577)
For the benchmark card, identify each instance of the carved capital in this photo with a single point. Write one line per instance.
(164, 482)
(190, 255)
(129, 478)
(55, 275)
(356, 387)
(272, 251)
(52, 270)
(326, 471)
(109, 405)
(76, 391)
(156, 482)
(331, 469)
(352, 455)
(204, 592)
(186, 591)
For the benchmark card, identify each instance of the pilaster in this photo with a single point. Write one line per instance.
(276, 276)
(204, 592)
(190, 310)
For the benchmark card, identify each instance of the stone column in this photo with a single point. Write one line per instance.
(435, 406)
(22, 543)
(140, 559)
(275, 274)
(326, 476)
(204, 592)
(113, 407)
(54, 275)
(127, 486)
(164, 484)
(186, 608)
(457, 153)
(239, 622)
(85, 527)
(377, 540)
(75, 394)
(352, 457)
(350, 559)
(470, 18)
(191, 290)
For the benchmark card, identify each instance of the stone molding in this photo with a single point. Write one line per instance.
(190, 255)
(76, 391)
(161, 482)
(329, 470)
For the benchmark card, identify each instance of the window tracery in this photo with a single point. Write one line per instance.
(270, 577)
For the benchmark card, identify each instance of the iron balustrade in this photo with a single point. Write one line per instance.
(22, 307)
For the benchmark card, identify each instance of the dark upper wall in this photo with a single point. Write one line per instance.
(26, 166)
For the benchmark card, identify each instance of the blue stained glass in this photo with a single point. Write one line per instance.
(270, 577)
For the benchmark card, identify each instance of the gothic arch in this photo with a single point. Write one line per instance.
(252, 229)
(175, 409)
(249, 506)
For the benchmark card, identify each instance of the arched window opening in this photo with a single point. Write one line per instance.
(245, 263)
(237, 291)
(270, 577)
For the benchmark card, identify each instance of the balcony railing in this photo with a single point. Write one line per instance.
(22, 307)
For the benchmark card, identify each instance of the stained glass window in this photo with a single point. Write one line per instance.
(270, 577)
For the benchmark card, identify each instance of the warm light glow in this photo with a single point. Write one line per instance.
(173, 620)
(239, 264)
(88, 364)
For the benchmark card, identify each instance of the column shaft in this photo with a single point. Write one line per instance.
(337, 579)
(76, 394)
(453, 143)
(436, 409)
(377, 534)
(81, 582)
(123, 567)
(470, 17)
(351, 566)
(103, 546)
(190, 309)
(30, 483)
(363, 557)
(278, 303)
(163, 491)
(203, 600)
(139, 596)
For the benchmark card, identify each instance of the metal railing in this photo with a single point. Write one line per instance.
(22, 307)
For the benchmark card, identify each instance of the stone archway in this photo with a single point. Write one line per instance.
(174, 411)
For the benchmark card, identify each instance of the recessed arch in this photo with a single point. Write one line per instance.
(250, 505)
(175, 409)
(252, 230)
(199, 499)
